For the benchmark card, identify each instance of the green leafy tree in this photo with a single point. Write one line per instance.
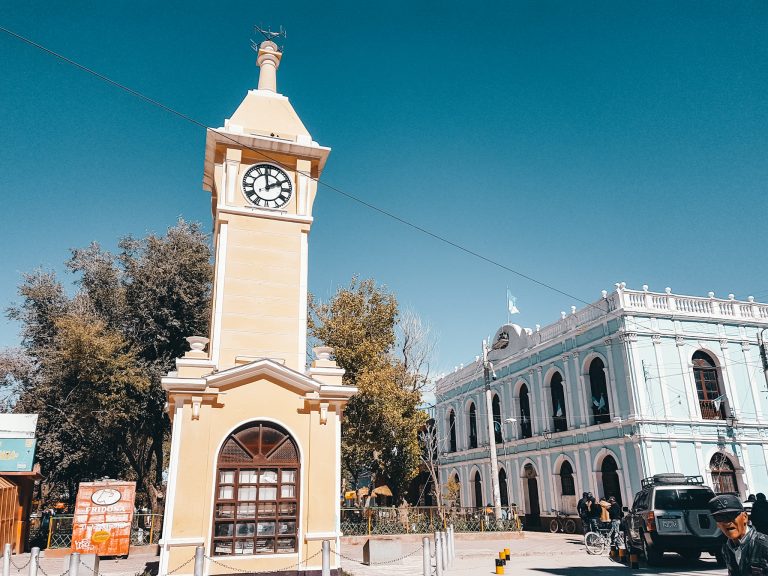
(381, 423)
(133, 311)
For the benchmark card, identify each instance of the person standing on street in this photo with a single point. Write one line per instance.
(745, 550)
(615, 513)
(595, 511)
(583, 511)
(759, 515)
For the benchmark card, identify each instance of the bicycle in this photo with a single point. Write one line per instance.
(562, 523)
(597, 542)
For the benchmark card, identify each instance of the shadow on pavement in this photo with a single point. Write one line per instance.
(672, 563)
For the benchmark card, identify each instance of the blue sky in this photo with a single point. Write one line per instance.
(581, 143)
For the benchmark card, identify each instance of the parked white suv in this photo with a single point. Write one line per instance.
(671, 514)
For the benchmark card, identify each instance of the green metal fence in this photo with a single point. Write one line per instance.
(145, 530)
(424, 520)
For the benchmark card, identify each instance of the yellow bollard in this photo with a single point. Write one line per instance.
(503, 558)
(507, 554)
(499, 566)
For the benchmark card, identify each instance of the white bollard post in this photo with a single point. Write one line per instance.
(74, 564)
(199, 561)
(7, 560)
(326, 558)
(446, 561)
(34, 561)
(426, 556)
(451, 550)
(438, 555)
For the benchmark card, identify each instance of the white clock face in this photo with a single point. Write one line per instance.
(267, 186)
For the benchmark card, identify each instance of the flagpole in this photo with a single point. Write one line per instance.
(509, 315)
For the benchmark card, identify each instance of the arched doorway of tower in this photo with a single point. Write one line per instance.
(478, 482)
(532, 509)
(723, 474)
(257, 480)
(609, 471)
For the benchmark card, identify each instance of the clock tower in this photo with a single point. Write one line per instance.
(261, 169)
(254, 476)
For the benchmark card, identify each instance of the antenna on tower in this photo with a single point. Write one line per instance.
(268, 35)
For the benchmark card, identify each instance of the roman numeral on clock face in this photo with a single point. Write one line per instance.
(267, 186)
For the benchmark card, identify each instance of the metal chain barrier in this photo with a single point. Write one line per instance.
(180, 566)
(340, 555)
(91, 570)
(293, 566)
(44, 573)
(20, 568)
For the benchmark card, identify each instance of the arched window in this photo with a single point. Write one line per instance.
(559, 417)
(452, 427)
(723, 474)
(503, 487)
(568, 486)
(708, 387)
(472, 426)
(601, 412)
(455, 490)
(478, 490)
(257, 492)
(609, 472)
(496, 407)
(525, 413)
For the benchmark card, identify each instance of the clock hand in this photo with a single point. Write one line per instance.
(268, 186)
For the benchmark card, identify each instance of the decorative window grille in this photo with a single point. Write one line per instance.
(257, 492)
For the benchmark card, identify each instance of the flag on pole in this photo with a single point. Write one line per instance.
(512, 303)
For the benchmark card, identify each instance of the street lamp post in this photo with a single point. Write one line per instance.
(488, 374)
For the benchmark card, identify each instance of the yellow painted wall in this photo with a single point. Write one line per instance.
(193, 508)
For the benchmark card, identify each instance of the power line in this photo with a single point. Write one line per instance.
(410, 224)
(391, 215)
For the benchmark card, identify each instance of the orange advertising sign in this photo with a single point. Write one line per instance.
(103, 517)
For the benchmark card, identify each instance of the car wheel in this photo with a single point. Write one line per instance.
(651, 553)
(691, 555)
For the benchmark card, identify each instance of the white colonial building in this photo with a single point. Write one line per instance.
(635, 384)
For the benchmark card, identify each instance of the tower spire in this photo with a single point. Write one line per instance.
(268, 59)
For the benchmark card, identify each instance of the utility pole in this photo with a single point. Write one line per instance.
(489, 374)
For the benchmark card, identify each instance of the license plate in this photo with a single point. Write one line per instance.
(670, 525)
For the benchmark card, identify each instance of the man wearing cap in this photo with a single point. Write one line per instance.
(746, 549)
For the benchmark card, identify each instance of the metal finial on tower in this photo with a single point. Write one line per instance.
(269, 54)
(269, 35)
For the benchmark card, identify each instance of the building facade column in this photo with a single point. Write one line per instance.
(615, 410)
(656, 339)
(581, 391)
(570, 416)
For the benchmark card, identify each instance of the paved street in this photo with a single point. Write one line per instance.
(535, 555)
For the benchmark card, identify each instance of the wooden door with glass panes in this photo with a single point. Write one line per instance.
(257, 492)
